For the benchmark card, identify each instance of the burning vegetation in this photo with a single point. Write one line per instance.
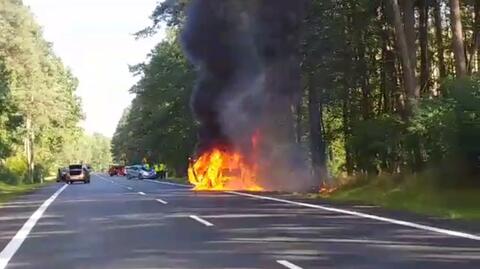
(246, 55)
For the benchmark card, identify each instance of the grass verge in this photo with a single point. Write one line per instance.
(413, 195)
(8, 192)
(179, 180)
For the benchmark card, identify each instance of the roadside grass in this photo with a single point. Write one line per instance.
(412, 194)
(179, 180)
(8, 192)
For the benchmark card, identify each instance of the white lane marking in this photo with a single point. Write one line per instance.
(17, 241)
(169, 183)
(288, 264)
(202, 221)
(162, 201)
(141, 193)
(367, 216)
(129, 188)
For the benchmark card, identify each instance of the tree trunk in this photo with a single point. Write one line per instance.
(317, 141)
(347, 132)
(474, 49)
(439, 39)
(408, 72)
(29, 150)
(458, 42)
(409, 26)
(364, 78)
(477, 39)
(298, 121)
(424, 53)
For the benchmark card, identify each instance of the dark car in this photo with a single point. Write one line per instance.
(62, 174)
(77, 173)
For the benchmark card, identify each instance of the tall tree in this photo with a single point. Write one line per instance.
(405, 55)
(458, 38)
(41, 90)
(424, 51)
(437, 10)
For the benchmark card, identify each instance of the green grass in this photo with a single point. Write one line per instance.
(8, 192)
(179, 180)
(415, 196)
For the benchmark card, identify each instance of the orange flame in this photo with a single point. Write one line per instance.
(219, 170)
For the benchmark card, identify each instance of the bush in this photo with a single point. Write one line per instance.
(14, 170)
(376, 144)
(449, 130)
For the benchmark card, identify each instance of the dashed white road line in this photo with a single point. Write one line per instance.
(141, 193)
(202, 221)
(349, 212)
(162, 201)
(367, 216)
(288, 264)
(17, 241)
(129, 188)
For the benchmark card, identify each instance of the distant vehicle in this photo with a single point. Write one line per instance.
(62, 174)
(117, 170)
(78, 172)
(147, 173)
(140, 172)
(134, 171)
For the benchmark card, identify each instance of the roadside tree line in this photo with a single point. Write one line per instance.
(390, 87)
(39, 111)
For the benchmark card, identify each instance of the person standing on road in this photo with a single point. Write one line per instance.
(162, 168)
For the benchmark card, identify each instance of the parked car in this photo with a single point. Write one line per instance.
(147, 173)
(62, 174)
(117, 170)
(76, 173)
(133, 171)
(139, 172)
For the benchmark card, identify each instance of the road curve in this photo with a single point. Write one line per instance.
(118, 223)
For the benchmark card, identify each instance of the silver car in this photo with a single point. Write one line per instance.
(134, 171)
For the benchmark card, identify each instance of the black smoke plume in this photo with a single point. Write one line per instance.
(246, 53)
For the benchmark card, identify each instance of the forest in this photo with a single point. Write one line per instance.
(389, 88)
(39, 109)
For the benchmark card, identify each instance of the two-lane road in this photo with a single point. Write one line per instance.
(118, 223)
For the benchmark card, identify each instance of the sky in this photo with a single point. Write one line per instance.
(94, 39)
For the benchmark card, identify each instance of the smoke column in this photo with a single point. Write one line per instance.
(246, 54)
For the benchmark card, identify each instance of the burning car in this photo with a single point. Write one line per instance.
(221, 169)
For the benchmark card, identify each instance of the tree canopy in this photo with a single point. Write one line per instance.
(390, 87)
(39, 110)
(158, 125)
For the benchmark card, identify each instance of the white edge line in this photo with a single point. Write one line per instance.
(288, 264)
(141, 193)
(202, 221)
(367, 216)
(162, 201)
(349, 212)
(17, 241)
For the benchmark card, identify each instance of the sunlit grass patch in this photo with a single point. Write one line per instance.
(415, 195)
(7, 191)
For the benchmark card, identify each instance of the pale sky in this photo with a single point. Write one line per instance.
(94, 38)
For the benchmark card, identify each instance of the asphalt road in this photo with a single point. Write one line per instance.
(118, 223)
